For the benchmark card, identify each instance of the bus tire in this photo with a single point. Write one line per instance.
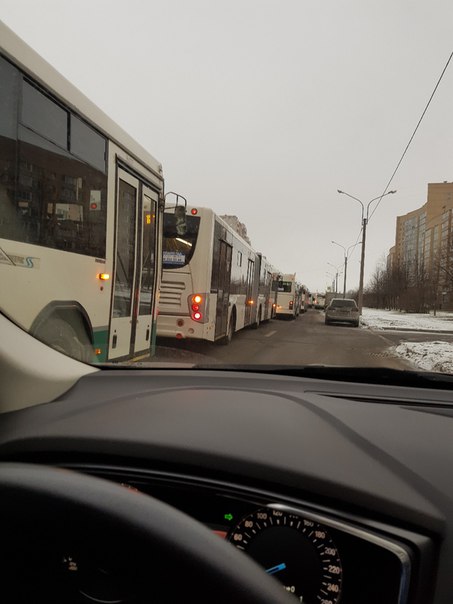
(258, 320)
(61, 336)
(230, 330)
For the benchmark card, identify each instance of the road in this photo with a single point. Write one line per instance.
(305, 340)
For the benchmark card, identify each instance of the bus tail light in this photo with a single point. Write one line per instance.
(103, 276)
(291, 304)
(198, 307)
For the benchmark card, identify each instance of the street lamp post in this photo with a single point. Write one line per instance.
(365, 219)
(346, 256)
(333, 280)
(336, 275)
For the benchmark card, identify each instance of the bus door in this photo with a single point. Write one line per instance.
(147, 275)
(223, 292)
(249, 292)
(133, 286)
(267, 294)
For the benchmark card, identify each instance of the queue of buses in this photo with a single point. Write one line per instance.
(90, 242)
(214, 284)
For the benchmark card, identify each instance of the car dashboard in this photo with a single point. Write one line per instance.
(338, 490)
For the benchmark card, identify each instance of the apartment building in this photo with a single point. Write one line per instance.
(424, 244)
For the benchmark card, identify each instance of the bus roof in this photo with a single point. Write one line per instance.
(29, 61)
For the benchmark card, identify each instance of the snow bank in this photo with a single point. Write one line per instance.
(435, 355)
(431, 356)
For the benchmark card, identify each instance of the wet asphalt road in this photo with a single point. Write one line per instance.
(305, 340)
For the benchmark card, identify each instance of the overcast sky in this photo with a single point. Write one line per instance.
(264, 108)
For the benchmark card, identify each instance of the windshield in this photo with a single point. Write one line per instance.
(199, 182)
(178, 249)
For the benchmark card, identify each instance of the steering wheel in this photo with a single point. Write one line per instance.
(68, 537)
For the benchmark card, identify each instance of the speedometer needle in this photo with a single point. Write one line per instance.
(276, 569)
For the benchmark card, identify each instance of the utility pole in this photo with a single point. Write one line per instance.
(364, 221)
(346, 256)
(362, 264)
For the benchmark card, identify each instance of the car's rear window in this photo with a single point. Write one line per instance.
(343, 304)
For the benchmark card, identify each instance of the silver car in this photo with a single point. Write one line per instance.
(342, 310)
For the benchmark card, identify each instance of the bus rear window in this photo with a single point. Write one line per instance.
(179, 249)
(285, 286)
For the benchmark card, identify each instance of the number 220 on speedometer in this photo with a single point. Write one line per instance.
(297, 551)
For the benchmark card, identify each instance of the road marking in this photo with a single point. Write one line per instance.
(271, 333)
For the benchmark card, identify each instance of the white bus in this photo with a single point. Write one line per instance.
(213, 282)
(267, 291)
(305, 298)
(320, 301)
(81, 209)
(289, 296)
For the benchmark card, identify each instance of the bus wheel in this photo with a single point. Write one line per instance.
(258, 320)
(62, 336)
(230, 331)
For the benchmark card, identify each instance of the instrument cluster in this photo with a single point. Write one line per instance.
(318, 557)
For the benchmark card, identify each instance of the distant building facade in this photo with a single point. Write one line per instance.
(423, 250)
(238, 226)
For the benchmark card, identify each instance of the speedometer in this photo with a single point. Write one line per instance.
(297, 551)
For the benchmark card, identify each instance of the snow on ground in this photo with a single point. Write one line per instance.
(393, 319)
(434, 355)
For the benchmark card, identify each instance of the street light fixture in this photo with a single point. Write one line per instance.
(336, 275)
(346, 256)
(365, 218)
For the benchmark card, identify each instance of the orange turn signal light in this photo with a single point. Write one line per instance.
(104, 276)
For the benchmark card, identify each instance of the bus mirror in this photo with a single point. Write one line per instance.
(180, 214)
(180, 220)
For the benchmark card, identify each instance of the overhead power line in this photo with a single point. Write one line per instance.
(413, 135)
